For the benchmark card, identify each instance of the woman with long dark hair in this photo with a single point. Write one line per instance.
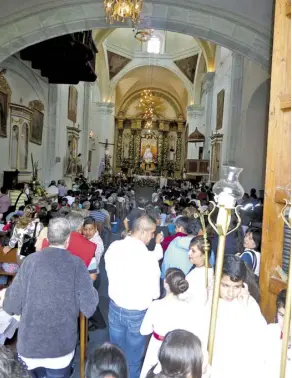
(180, 356)
(107, 361)
(166, 315)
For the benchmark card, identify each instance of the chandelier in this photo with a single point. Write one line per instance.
(120, 10)
(144, 35)
(147, 104)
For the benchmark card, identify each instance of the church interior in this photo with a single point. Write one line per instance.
(190, 87)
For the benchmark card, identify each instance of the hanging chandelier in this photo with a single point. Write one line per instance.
(147, 104)
(143, 35)
(120, 10)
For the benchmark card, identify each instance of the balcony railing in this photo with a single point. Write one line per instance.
(197, 167)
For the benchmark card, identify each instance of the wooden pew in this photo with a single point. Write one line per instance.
(11, 258)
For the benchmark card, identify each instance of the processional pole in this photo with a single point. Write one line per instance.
(227, 191)
(287, 318)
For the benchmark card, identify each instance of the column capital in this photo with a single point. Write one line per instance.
(105, 108)
(208, 80)
(194, 111)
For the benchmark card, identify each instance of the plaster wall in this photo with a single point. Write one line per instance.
(27, 85)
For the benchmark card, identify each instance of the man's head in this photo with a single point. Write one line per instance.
(59, 232)
(76, 221)
(96, 205)
(181, 224)
(144, 228)
(54, 206)
(86, 205)
(4, 190)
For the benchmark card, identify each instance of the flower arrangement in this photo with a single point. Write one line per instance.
(145, 182)
(39, 191)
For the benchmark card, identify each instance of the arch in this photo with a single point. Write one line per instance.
(163, 94)
(41, 21)
(137, 63)
(208, 49)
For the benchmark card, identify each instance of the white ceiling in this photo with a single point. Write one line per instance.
(175, 45)
(151, 77)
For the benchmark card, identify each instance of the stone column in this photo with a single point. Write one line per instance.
(236, 92)
(194, 119)
(51, 153)
(104, 122)
(86, 126)
(208, 84)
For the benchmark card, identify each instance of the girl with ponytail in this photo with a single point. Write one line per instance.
(165, 315)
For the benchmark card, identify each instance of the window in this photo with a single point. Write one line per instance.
(19, 146)
(153, 46)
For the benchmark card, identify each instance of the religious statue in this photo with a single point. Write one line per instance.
(148, 156)
(79, 164)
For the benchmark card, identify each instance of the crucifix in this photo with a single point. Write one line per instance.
(106, 144)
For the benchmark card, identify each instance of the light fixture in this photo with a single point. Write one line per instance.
(120, 10)
(227, 192)
(143, 35)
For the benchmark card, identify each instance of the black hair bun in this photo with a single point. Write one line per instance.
(182, 286)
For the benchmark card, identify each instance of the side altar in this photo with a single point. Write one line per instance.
(143, 150)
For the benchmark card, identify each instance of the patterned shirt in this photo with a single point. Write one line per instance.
(18, 233)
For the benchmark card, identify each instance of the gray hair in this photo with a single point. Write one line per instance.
(86, 205)
(143, 223)
(58, 231)
(10, 366)
(76, 220)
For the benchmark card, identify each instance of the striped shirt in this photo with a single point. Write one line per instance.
(98, 216)
(13, 195)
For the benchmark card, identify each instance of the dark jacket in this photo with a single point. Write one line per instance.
(49, 291)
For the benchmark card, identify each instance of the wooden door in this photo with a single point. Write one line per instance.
(278, 167)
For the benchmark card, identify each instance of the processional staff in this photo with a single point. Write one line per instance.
(227, 191)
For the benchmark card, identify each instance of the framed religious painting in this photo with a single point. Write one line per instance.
(72, 104)
(37, 122)
(5, 98)
(220, 109)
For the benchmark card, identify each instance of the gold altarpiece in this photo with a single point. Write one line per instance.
(157, 149)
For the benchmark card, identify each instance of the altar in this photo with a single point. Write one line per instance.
(156, 150)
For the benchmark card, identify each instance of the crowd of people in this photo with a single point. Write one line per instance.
(159, 295)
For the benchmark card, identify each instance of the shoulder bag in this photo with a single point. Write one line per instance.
(28, 246)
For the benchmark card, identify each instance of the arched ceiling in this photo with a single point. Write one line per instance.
(175, 44)
(151, 77)
(242, 26)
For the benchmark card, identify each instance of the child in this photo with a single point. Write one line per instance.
(166, 315)
(273, 342)
(252, 247)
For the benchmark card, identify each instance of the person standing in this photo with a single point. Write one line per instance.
(134, 282)
(49, 298)
(4, 201)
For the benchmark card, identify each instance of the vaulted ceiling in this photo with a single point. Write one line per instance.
(243, 26)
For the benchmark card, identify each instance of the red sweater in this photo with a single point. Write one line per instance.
(78, 246)
(169, 239)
